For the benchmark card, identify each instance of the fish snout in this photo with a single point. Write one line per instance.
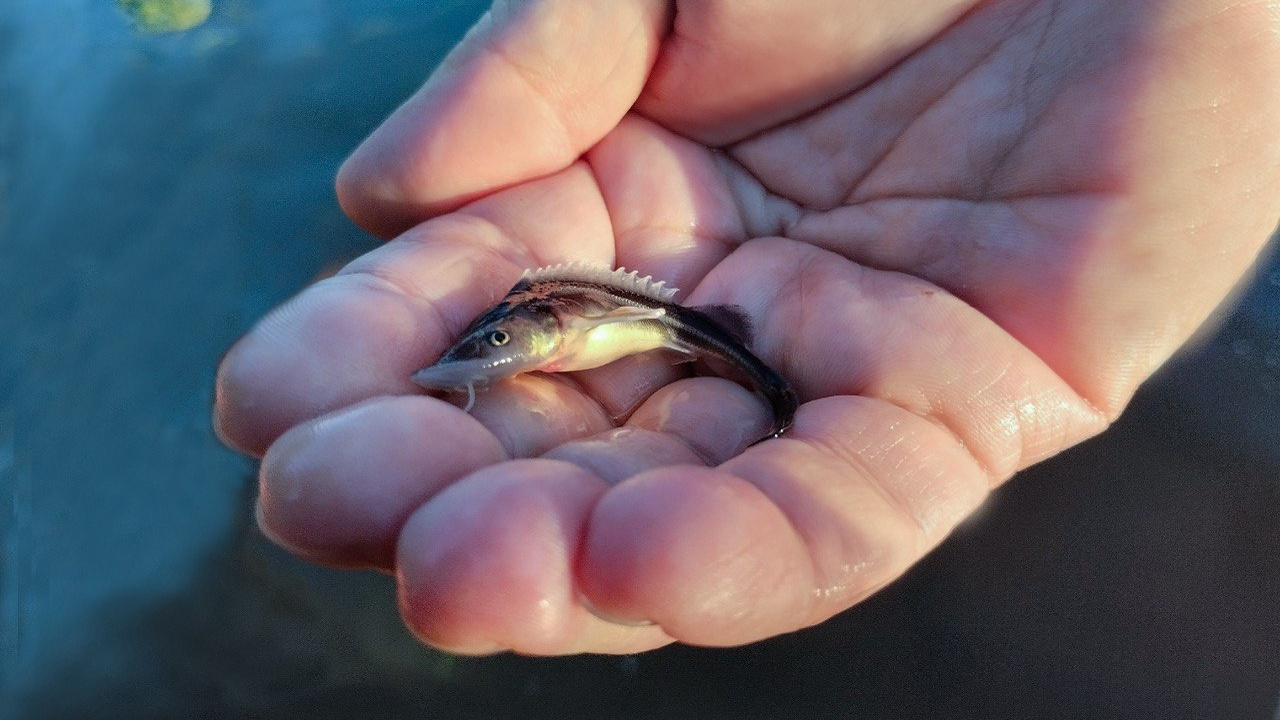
(452, 375)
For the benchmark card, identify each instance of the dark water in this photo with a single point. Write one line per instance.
(159, 193)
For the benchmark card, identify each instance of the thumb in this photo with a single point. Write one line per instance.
(528, 90)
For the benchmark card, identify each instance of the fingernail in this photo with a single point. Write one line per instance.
(260, 519)
(582, 599)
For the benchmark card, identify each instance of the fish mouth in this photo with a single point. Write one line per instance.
(462, 374)
(456, 375)
(459, 375)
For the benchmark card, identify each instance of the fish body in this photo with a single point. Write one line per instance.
(576, 317)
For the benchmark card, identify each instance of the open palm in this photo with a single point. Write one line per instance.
(965, 231)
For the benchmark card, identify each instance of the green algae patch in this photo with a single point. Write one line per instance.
(161, 16)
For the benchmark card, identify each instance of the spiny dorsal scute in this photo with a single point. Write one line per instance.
(618, 279)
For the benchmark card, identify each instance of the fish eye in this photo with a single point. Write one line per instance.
(498, 338)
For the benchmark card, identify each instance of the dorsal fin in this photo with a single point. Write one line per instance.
(732, 318)
(618, 279)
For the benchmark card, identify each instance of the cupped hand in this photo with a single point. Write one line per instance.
(966, 231)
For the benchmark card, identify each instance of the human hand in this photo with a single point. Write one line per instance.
(966, 232)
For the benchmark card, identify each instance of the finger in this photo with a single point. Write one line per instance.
(623, 384)
(361, 333)
(338, 489)
(785, 535)
(531, 87)
(620, 453)
(488, 564)
(532, 413)
(673, 215)
(717, 418)
(730, 69)
(673, 218)
(697, 421)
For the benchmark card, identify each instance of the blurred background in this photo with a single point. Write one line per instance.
(159, 192)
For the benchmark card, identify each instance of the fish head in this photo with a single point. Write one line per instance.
(506, 341)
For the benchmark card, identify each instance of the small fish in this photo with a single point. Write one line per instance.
(575, 317)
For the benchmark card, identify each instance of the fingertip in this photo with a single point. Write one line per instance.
(366, 198)
(337, 489)
(241, 421)
(392, 181)
(488, 563)
(717, 418)
(339, 342)
(701, 553)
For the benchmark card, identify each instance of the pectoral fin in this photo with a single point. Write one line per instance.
(687, 353)
(624, 313)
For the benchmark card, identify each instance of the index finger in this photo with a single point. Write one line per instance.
(531, 87)
(363, 332)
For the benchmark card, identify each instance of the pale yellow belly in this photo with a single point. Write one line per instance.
(603, 344)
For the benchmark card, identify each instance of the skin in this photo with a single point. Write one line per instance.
(965, 231)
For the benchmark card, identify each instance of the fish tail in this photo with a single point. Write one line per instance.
(702, 335)
(782, 398)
